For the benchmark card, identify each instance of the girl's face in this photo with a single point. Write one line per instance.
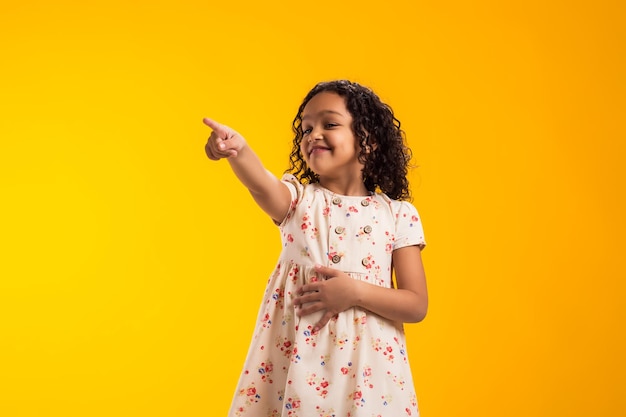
(328, 144)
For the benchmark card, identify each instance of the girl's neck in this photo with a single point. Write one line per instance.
(345, 187)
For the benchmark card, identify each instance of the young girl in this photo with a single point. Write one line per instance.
(329, 339)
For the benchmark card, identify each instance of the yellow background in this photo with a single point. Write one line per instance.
(131, 266)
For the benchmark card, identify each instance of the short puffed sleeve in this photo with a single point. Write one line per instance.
(409, 230)
(295, 189)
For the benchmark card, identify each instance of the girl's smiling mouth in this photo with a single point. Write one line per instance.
(318, 149)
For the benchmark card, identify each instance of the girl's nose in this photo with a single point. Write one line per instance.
(316, 134)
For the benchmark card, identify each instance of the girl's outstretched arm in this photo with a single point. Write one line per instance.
(268, 191)
(337, 293)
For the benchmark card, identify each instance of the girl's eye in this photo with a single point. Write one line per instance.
(331, 125)
(306, 131)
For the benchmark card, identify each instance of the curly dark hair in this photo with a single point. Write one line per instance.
(383, 153)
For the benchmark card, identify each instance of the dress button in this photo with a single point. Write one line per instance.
(367, 229)
(339, 230)
(336, 259)
(336, 200)
(365, 262)
(365, 203)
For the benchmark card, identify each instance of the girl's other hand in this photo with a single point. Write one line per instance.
(224, 142)
(333, 295)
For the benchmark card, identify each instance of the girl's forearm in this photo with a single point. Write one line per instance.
(393, 304)
(267, 190)
(250, 171)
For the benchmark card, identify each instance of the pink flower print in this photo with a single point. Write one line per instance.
(357, 395)
(367, 373)
(311, 379)
(303, 226)
(341, 341)
(376, 344)
(292, 404)
(399, 381)
(344, 370)
(293, 274)
(320, 385)
(279, 296)
(289, 238)
(309, 336)
(326, 413)
(266, 321)
(353, 209)
(388, 353)
(284, 346)
(414, 218)
(265, 370)
(326, 211)
(388, 248)
(408, 411)
(295, 357)
(324, 359)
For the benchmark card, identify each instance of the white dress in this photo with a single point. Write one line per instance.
(356, 365)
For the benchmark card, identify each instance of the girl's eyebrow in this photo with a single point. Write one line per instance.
(324, 112)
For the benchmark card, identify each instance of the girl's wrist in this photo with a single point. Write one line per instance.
(358, 290)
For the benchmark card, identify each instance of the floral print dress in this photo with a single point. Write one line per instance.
(356, 365)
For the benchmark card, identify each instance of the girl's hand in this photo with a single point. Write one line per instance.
(224, 142)
(335, 294)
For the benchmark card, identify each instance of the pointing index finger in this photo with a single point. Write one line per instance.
(217, 127)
